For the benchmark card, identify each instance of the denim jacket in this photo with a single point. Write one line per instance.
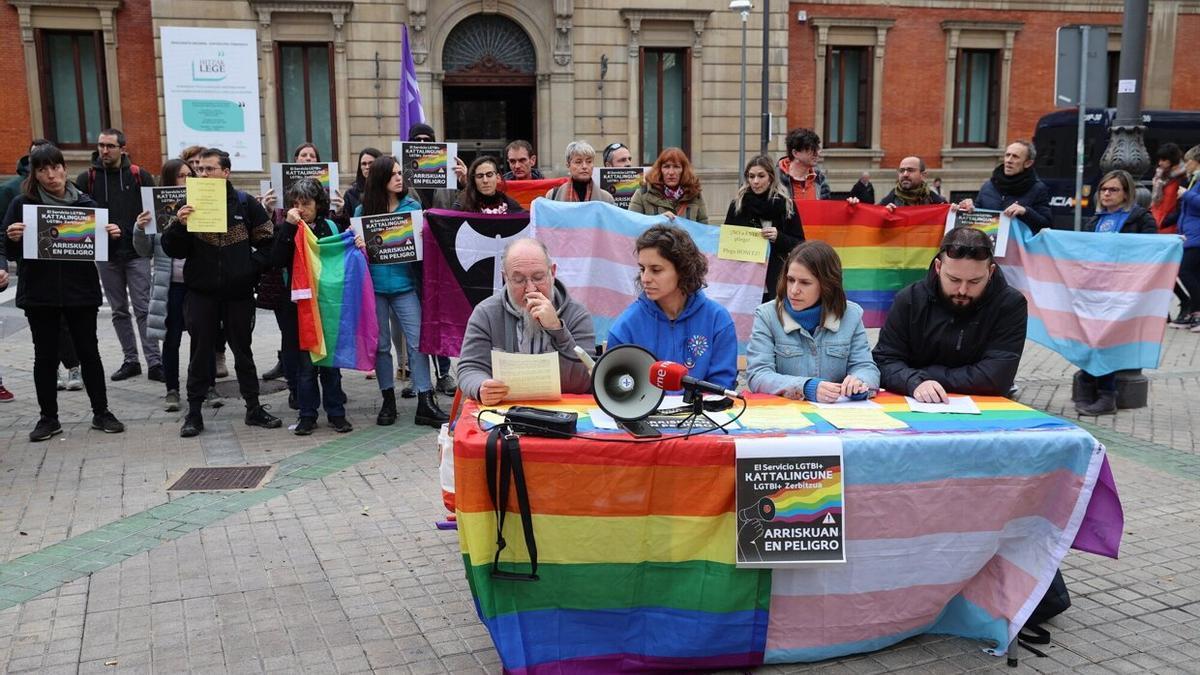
(782, 357)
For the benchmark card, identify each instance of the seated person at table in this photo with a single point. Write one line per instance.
(960, 330)
(672, 318)
(532, 314)
(809, 342)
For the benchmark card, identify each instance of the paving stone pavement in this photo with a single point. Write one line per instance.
(335, 565)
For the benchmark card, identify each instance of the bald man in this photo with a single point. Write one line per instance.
(911, 188)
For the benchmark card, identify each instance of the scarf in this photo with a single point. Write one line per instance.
(577, 191)
(808, 318)
(674, 194)
(1013, 186)
(495, 204)
(758, 208)
(912, 196)
(67, 199)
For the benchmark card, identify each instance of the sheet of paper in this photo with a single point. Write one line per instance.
(601, 419)
(774, 417)
(738, 242)
(845, 403)
(958, 404)
(858, 418)
(530, 377)
(64, 233)
(207, 197)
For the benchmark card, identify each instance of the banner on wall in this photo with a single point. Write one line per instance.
(210, 92)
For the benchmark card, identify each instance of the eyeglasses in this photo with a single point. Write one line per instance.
(519, 281)
(485, 176)
(107, 146)
(1107, 190)
(959, 251)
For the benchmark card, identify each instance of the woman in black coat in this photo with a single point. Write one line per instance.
(762, 202)
(56, 291)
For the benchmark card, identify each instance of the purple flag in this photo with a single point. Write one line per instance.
(411, 111)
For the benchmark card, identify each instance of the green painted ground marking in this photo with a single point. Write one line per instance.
(31, 575)
(1180, 463)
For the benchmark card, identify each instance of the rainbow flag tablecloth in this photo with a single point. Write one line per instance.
(955, 525)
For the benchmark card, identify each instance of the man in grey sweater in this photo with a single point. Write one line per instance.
(532, 314)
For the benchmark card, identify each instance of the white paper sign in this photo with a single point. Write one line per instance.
(64, 233)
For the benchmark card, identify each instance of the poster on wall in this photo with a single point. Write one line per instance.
(210, 92)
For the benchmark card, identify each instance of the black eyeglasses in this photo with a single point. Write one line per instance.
(959, 251)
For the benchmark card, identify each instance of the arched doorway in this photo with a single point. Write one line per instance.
(489, 90)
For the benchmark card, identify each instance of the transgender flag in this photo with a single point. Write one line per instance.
(1099, 300)
(411, 111)
(593, 245)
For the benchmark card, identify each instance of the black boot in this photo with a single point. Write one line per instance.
(428, 412)
(277, 371)
(1105, 404)
(387, 411)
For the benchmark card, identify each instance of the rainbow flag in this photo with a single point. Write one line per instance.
(335, 300)
(808, 505)
(432, 161)
(77, 231)
(636, 553)
(1099, 300)
(525, 191)
(881, 252)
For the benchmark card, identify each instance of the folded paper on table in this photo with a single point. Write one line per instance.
(844, 403)
(955, 404)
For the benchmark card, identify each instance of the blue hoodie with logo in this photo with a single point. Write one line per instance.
(702, 337)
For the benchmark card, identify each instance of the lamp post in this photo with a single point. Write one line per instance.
(766, 63)
(743, 7)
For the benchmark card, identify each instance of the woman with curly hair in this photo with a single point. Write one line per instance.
(672, 317)
(671, 188)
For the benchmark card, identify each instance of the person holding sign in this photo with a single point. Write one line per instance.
(397, 293)
(960, 330)
(762, 202)
(54, 291)
(219, 270)
(618, 155)
(671, 188)
(482, 192)
(672, 317)
(1015, 189)
(810, 343)
(581, 157)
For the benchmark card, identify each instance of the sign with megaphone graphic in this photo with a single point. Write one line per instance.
(790, 501)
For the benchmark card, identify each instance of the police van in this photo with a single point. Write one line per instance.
(1055, 141)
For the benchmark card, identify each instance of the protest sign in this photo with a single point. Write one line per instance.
(620, 182)
(427, 165)
(994, 223)
(738, 242)
(163, 203)
(64, 233)
(285, 175)
(207, 197)
(391, 237)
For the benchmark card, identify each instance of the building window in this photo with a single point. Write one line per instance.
(665, 92)
(74, 91)
(977, 98)
(1114, 74)
(848, 97)
(306, 98)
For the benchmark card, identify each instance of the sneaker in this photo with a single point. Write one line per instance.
(107, 422)
(126, 371)
(259, 417)
(222, 370)
(305, 426)
(446, 385)
(45, 429)
(154, 373)
(74, 380)
(5, 395)
(1185, 321)
(62, 379)
(192, 426)
(340, 424)
(171, 401)
(213, 399)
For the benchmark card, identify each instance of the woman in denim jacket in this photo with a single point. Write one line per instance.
(810, 343)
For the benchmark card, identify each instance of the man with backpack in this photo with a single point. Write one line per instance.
(220, 271)
(116, 184)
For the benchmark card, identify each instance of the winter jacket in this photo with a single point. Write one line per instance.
(972, 352)
(1036, 202)
(161, 267)
(782, 357)
(1140, 221)
(1164, 201)
(283, 251)
(225, 264)
(495, 324)
(702, 337)
(49, 283)
(1189, 213)
(791, 231)
(12, 187)
(820, 184)
(863, 193)
(399, 277)
(651, 201)
(119, 191)
(559, 194)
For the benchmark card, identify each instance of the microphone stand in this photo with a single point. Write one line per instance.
(696, 400)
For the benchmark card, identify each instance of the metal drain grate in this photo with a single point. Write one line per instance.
(221, 478)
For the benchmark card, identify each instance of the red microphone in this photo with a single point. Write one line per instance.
(670, 376)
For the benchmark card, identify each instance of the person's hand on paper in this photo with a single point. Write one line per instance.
(113, 230)
(770, 233)
(966, 205)
(359, 243)
(542, 309)
(293, 216)
(930, 391)
(492, 392)
(143, 220)
(268, 199)
(335, 201)
(182, 214)
(1015, 210)
(852, 385)
(15, 231)
(828, 392)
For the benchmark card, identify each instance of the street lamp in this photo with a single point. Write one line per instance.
(743, 7)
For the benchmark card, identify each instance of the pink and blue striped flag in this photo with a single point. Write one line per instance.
(411, 111)
(1099, 300)
(593, 245)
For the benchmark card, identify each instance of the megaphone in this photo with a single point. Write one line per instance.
(621, 383)
(764, 509)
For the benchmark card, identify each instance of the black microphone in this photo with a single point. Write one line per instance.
(669, 375)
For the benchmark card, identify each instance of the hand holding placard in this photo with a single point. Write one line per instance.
(206, 196)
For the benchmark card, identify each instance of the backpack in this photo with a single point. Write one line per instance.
(137, 177)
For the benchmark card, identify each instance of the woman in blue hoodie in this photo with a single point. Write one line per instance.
(672, 317)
